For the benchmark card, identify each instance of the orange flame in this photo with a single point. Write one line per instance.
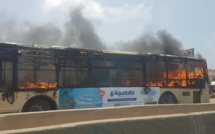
(43, 85)
(177, 78)
(129, 83)
(83, 52)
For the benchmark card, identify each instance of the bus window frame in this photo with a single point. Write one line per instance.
(94, 68)
(182, 62)
(35, 57)
(201, 83)
(120, 67)
(156, 59)
(170, 60)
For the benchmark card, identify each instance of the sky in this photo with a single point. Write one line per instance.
(106, 24)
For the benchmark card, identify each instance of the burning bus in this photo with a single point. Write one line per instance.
(40, 78)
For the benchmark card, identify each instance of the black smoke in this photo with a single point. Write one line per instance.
(161, 43)
(80, 32)
(12, 30)
(46, 34)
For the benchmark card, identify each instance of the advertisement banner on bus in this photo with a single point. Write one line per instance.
(77, 98)
(120, 96)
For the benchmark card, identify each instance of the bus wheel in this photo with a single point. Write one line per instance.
(167, 98)
(38, 105)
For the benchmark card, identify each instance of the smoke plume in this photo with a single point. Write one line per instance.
(162, 43)
(46, 34)
(27, 33)
(80, 32)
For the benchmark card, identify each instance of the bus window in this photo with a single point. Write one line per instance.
(105, 76)
(25, 71)
(156, 74)
(130, 73)
(73, 72)
(35, 72)
(104, 72)
(195, 73)
(102, 63)
(132, 77)
(67, 77)
(82, 78)
(46, 72)
(101, 76)
(176, 75)
(73, 76)
(6, 75)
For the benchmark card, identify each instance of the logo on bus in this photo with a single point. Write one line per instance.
(102, 93)
(120, 93)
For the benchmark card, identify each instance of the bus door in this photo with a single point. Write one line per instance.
(6, 75)
(196, 81)
(6, 82)
(196, 97)
(8, 55)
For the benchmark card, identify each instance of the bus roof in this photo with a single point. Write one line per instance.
(36, 46)
(147, 54)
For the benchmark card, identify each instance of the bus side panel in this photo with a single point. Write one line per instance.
(106, 97)
(193, 96)
(188, 95)
(12, 102)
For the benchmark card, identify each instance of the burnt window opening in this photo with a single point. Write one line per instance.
(102, 63)
(6, 75)
(156, 74)
(36, 72)
(132, 77)
(195, 73)
(69, 76)
(176, 74)
(130, 73)
(172, 75)
(104, 73)
(73, 72)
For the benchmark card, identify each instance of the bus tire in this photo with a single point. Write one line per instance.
(38, 104)
(167, 98)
